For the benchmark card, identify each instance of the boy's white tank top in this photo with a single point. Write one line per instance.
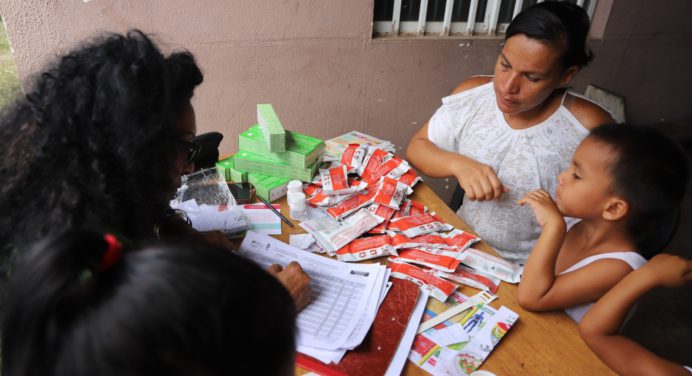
(633, 259)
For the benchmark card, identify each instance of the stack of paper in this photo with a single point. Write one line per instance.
(337, 145)
(345, 297)
(274, 133)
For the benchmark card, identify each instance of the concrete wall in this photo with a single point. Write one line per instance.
(316, 62)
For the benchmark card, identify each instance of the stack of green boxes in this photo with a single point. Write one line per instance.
(269, 156)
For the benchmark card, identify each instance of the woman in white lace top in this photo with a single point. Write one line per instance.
(505, 135)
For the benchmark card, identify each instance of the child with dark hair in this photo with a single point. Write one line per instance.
(623, 180)
(79, 304)
(600, 327)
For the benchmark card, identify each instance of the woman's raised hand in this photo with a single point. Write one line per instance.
(479, 181)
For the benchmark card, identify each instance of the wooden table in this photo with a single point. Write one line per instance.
(538, 343)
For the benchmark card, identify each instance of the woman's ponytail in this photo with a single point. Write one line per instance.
(52, 285)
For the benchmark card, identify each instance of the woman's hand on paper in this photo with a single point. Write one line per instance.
(295, 280)
(544, 208)
(479, 181)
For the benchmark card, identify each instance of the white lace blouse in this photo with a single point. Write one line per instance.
(470, 123)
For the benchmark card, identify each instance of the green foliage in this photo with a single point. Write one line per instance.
(9, 79)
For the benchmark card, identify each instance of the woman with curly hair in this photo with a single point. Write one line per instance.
(102, 138)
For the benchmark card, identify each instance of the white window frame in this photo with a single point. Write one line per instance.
(446, 28)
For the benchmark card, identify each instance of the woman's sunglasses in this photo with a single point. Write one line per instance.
(191, 148)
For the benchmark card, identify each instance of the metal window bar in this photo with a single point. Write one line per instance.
(396, 15)
(491, 15)
(490, 24)
(470, 22)
(422, 17)
(446, 24)
(517, 7)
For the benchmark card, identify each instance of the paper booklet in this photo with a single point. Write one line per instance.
(461, 344)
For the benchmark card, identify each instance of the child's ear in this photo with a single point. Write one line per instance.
(615, 209)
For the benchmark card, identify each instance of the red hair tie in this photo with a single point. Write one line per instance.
(112, 254)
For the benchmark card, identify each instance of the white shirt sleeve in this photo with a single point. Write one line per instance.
(442, 130)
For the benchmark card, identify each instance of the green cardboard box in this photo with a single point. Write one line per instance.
(224, 167)
(273, 131)
(269, 188)
(250, 162)
(301, 150)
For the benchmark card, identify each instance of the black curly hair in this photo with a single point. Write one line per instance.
(93, 141)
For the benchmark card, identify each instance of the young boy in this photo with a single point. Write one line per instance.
(622, 180)
(601, 326)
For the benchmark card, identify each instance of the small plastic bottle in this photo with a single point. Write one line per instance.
(298, 206)
(294, 186)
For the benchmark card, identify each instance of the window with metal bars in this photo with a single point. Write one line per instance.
(451, 17)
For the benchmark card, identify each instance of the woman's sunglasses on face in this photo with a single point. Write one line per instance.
(191, 148)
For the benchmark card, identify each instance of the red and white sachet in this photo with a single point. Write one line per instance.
(353, 156)
(385, 213)
(410, 178)
(366, 248)
(493, 265)
(320, 199)
(343, 209)
(473, 278)
(335, 180)
(393, 169)
(391, 193)
(417, 208)
(437, 287)
(420, 257)
(460, 240)
(433, 240)
(311, 189)
(404, 209)
(333, 235)
(373, 159)
(417, 225)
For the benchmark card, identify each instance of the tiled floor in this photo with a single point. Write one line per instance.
(663, 319)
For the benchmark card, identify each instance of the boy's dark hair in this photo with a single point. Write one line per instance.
(560, 24)
(650, 171)
(93, 141)
(161, 310)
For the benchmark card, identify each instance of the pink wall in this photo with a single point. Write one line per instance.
(317, 63)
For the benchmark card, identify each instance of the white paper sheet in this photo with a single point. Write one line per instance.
(340, 291)
(367, 318)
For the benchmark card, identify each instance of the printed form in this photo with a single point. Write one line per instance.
(340, 291)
